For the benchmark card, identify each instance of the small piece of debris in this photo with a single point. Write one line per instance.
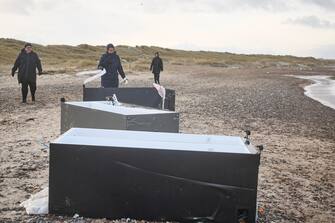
(30, 119)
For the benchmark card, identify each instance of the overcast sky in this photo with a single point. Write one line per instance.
(296, 27)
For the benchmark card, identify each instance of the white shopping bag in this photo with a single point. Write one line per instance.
(161, 91)
(37, 203)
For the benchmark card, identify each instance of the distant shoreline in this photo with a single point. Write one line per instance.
(322, 89)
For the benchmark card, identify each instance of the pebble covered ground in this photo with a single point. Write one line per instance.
(297, 172)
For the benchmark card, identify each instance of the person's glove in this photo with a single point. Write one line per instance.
(40, 73)
(12, 74)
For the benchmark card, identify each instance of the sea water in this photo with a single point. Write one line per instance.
(322, 89)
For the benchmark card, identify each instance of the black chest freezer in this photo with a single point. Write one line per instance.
(104, 115)
(143, 96)
(153, 176)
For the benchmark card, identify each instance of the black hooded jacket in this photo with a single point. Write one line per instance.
(112, 63)
(27, 64)
(156, 65)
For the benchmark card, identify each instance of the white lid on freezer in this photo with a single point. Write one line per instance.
(154, 140)
(125, 109)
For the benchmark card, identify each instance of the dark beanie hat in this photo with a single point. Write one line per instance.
(27, 44)
(110, 46)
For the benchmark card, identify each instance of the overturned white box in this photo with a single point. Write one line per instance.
(105, 115)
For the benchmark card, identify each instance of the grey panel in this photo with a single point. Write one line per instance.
(91, 114)
(155, 123)
(76, 116)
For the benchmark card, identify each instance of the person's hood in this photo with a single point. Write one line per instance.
(110, 45)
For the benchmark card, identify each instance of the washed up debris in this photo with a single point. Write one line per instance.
(113, 100)
(261, 211)
(261, 215)
(37, 203)
(43, 144)
(75, 216)
(161, 91)
(7, 121)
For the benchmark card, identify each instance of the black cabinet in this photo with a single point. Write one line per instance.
(153, 176)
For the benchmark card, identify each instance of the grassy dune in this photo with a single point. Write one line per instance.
(64, 58)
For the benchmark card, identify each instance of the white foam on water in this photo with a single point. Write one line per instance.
(322, 90)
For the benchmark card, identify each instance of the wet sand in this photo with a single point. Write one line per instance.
(297, 172)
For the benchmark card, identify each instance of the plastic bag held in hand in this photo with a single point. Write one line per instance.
(161, 91)
(96, 74)
(124, 81)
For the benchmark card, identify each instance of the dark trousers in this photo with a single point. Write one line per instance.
(110, 83)
(156, 77)
(24, 90)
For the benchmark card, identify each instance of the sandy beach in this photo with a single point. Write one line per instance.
(297, 172)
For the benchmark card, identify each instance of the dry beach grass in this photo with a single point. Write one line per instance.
(64, 58)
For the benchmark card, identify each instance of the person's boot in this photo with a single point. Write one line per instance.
(33, 98)
(24, 101)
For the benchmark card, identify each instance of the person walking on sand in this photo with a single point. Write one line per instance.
(27, 62)
(111, 62)
(156, 67)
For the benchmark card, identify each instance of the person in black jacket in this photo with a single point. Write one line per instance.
(156, 67)
(111, 62)
(27, 62)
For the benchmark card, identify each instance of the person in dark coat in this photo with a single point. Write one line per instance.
(27, 62)
(111, 62)
(156, 67)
